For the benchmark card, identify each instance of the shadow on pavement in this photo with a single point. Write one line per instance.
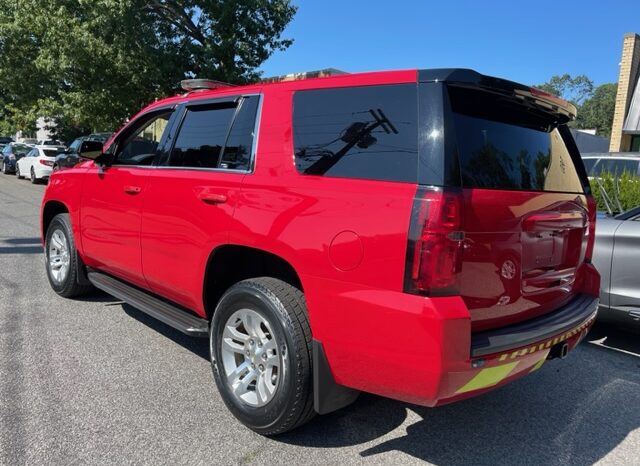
(20, 245)
(198, 346)
(570, 412)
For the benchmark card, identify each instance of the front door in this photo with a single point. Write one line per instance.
(112, 198)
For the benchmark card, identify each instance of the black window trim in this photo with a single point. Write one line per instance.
(182, 112)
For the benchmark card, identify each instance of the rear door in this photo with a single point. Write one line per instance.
(191, 196)
(525, 209)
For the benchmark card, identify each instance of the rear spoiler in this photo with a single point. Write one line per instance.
(542, 100)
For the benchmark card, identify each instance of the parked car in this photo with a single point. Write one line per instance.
(616, 256)
(69, 158)
(596, 164)
(11, 154)
(5, 140)
(49, 143)
(28, 141)
(335, 235)
(37, 164)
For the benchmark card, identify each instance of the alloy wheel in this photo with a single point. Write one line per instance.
(252, 362)
(59, 257)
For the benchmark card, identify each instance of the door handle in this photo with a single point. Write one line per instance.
(212, 198)
(132, 189)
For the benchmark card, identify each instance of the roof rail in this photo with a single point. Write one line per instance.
(305, 75)
(195, 85)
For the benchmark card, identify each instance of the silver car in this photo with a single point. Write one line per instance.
(617, 258)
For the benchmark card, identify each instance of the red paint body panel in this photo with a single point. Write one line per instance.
(541, 233)
(180, 229)
(347, 240)
(110, 219)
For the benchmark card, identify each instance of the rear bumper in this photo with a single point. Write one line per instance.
(421, 350)
(581, 309)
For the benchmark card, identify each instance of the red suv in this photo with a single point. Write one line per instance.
(422, 235)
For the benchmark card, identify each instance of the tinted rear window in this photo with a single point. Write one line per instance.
(357, 132)
(505, 145)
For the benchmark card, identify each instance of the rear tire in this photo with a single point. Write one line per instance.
(260, 343)
(61, 259)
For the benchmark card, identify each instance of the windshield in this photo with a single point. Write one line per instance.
(20, 149)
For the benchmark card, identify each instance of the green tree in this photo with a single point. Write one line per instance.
(597, 111)
(595, 105)
(90, 64)
(573, 89)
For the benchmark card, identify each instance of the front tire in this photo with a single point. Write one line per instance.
(260, 343)
(61, 257)
(32, 176)
(18, 171)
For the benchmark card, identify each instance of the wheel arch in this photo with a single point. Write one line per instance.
(49, 211)
(230, 263)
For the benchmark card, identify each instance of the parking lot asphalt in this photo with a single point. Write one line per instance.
(94, 381)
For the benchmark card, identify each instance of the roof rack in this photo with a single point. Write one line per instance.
(195, 85)
(305, 75)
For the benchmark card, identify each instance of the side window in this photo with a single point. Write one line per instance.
(202, 136)
(359, 132)
(237, 150)
(73, 148)
(140, 143)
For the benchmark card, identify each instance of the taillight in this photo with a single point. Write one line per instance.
(434, 252)
(48, 163)
(591, 229)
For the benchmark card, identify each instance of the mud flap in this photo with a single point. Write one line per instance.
(328, 396)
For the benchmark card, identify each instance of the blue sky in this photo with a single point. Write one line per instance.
(523, 41)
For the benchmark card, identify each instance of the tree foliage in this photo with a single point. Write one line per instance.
(597, 111)
(621, 191)
(89, 64)
(595, 104)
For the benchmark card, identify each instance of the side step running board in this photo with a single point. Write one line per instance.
(169, 314)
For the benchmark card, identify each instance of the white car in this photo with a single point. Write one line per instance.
(37, 164)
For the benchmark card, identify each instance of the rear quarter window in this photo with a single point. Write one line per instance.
(358, 132)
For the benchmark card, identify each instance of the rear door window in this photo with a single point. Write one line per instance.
(504, 145)
(358, 132)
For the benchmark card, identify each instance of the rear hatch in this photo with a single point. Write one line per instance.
(524, 213)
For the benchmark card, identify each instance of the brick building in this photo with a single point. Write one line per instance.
(625, 132)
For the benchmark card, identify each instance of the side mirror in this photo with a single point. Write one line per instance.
(90, 150)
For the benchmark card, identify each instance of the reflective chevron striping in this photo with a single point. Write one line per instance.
(488, 377)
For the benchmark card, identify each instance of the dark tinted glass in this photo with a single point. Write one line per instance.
(202, 136)
(504, 145)
(615, 167)
(588, 164)
(237, 150)
(51, 152)
(359, 132)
